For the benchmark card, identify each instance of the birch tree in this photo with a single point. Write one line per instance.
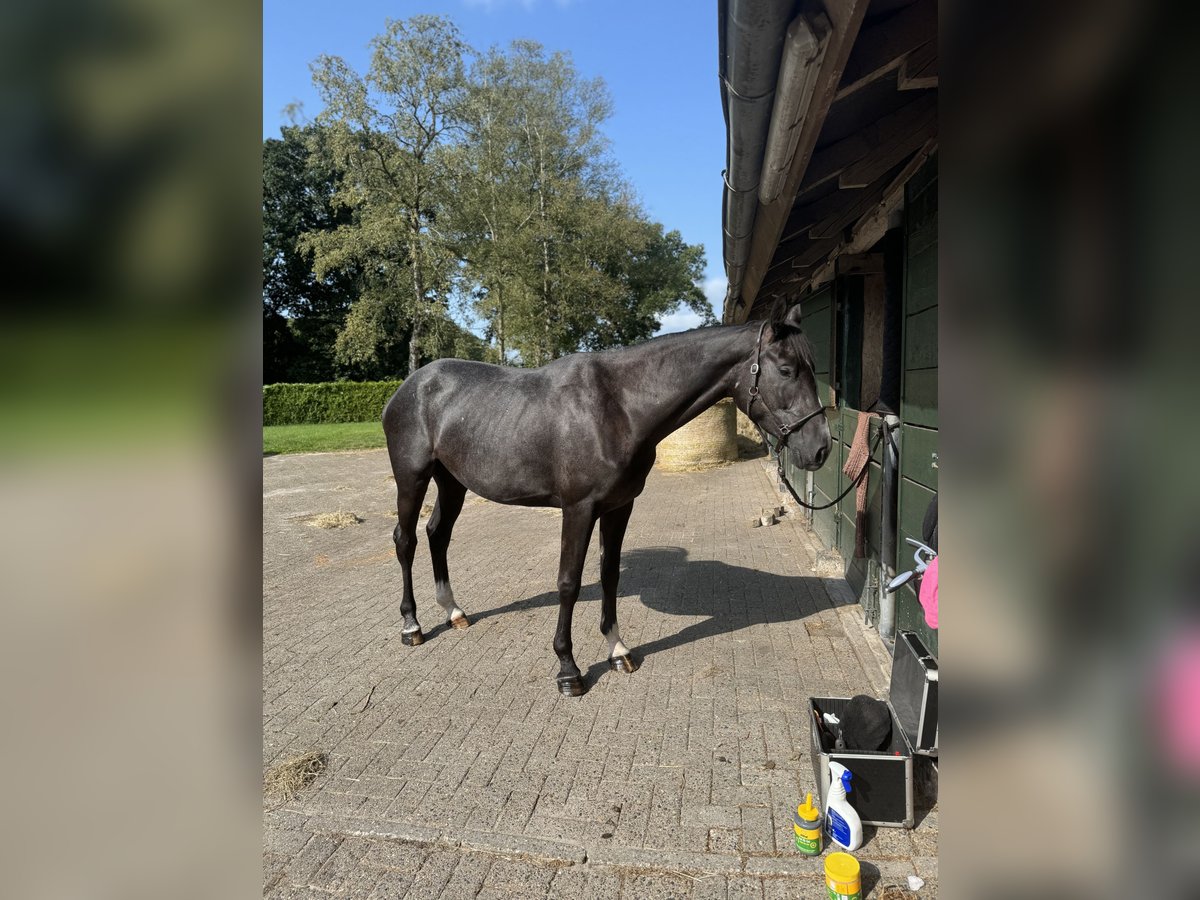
(392, 133)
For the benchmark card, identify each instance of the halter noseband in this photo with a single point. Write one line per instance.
(784, 429)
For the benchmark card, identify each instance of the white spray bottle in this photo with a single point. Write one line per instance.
(842, 822)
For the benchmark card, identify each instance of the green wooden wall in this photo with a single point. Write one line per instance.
(830, 322)
(833, 317)
(919, 388)
(819, 325)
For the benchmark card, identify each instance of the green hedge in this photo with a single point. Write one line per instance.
(326, 402)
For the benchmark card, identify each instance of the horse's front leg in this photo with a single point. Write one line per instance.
(612, 533)
(578, 522)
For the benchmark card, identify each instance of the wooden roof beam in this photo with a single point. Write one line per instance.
(919, 69)
(872, 226)
(882, 47)
(795, 232)
(891, 151)
(841, 209)
(859, 263)
(864, 200)
(829, 162)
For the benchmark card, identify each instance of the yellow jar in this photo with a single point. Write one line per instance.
(843, 880)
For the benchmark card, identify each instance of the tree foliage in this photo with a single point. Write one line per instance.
(389, 135)
(302, 313)
(479, 183)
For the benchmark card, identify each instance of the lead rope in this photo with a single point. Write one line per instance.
(853, 484)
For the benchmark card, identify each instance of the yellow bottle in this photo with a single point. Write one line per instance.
(843, 879)
(807, 825)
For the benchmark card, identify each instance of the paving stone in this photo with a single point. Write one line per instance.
(794, 888)
(656, 887)
(926, 866)
(744, 889)
(603, 884)
(758, 830)
(392, 885)
(724, 816)
(469, 876)
(518, 878)
(314, 855)
(402, 857)
(929, 890)
(724, 840)
(709, 887)
(692, 763)
(568, 883)
(788, 864)
(285, 842)
(669, 860)
(523, 845)
(344, 871)
(298, 892)
(386, 829)
(430, 880)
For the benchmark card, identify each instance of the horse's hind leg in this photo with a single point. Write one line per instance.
(450, 494)
(612, 533)
(410, 492)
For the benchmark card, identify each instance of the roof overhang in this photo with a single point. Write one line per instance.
(868, 123)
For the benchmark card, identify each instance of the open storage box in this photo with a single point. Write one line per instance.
(882, 781)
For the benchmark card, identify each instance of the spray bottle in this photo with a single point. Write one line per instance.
(842, 822)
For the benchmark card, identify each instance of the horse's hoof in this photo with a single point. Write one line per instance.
(571, 685)
(625, 663)
(412, 638)
(460, 622)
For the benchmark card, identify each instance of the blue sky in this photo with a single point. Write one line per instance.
(658, 58)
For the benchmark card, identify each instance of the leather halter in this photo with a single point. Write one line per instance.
(784, 428)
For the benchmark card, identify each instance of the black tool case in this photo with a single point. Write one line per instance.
(882, 781)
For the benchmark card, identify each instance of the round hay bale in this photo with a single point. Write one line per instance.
(708, 440)
(749, 441)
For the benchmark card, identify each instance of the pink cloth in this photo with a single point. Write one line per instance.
(929, 593)
(1178, 705)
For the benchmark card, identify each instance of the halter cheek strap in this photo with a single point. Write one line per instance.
(783, 428)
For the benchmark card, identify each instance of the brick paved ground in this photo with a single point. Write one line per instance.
(456, 770)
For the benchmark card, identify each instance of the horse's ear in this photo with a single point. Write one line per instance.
(784, 320)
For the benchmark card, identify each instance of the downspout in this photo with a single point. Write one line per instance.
(887, 543)
(751, 45)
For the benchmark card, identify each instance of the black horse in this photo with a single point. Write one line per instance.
(580, 434)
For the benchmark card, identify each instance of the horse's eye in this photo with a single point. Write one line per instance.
(785, 371)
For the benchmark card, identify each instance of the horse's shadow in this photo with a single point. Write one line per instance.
(729, 598)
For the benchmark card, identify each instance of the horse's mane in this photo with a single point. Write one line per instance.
(796, 339)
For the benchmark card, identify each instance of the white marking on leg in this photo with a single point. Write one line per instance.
(445, 599)
(615, 647)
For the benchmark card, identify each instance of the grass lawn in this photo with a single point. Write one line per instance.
(314, 438)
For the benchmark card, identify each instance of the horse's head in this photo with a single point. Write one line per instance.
(782, 396)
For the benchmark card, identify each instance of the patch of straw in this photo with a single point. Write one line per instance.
(339, 519)
(285, 780)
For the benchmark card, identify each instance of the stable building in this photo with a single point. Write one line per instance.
(830, 201)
